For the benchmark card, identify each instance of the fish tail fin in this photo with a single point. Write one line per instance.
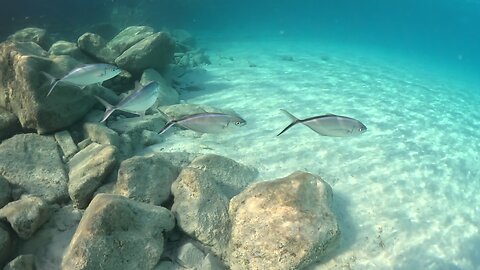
(109, 108)
(294, 119)
(53, 81)
(166, 127)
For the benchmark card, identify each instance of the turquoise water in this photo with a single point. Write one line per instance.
(405, 192)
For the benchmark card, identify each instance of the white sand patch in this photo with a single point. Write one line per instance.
(406, 191)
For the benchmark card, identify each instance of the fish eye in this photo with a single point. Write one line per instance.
(237, 123)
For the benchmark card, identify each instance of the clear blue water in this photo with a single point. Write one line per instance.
(440, 38)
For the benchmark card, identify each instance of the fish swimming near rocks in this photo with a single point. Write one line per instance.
(207, 122)
(329, 125)
(137, 102)
(85, 75)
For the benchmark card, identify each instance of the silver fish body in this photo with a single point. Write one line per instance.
(207, 122)
(137, 102)
(329, 125)
(86, 75)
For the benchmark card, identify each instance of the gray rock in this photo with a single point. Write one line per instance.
(211, 262)
(167, 265)
(23, 88)
(190, 256)
(5, 192)
(84, 143)
(63, 47)
(6, 245)
(167, 95)
(22, 262)
(9, 124)
(146, 179)
(202, 192)
(65, 141)
(31, 34)
(33, 164)
(88, 170)
(26, 215)
(178, 159)
(95, 46)
(101, 134)
(155, 51)
(282, 224)
(129, 37)
(118, 233)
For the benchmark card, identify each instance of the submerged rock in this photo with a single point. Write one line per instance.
(23, 88)
(9, 124)
(33, 165)
(167, 95)
(6, 245)
(88, 170)
(26, 215)
(63, 47)
(5, 192)
(282, 224)
(155, 51)
(31, 34)
(146, 179)
(202, 192)
(22, 262)
(65, 141)
(118, 233)
(101, 134)
(95, 46)
(128, 37)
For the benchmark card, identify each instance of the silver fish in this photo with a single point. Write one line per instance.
(85, 75)
(137, 102)
(329, 125)
(207, 122)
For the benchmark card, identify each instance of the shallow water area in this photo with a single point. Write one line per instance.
(404, 191)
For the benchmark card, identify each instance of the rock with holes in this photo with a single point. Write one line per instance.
(118, 233)
(282, 224)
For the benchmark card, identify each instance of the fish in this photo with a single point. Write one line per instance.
(85, 75)
(137, 102)
(206, 122)
(329, 125)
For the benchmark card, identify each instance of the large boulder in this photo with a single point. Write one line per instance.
(282, 224)
(63, 47)
(95, 46)
(26, 215)
(128, 37)
(23, 88)
(9, 124)
(155, 51)
(31, 34)
(118, 233)
(202, 193)
(146, 179)
(89, 168)
(167, 95)
(33, 165)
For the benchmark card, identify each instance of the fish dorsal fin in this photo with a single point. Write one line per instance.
(330, 114)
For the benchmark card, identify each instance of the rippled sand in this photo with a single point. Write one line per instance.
(405, 192)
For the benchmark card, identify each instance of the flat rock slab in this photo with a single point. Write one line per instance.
(88, 170)
(118, 233)
(32, 164)
(26, 215)
(282, 224)
(202, 193)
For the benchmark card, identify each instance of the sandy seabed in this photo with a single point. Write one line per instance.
(406, 192)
